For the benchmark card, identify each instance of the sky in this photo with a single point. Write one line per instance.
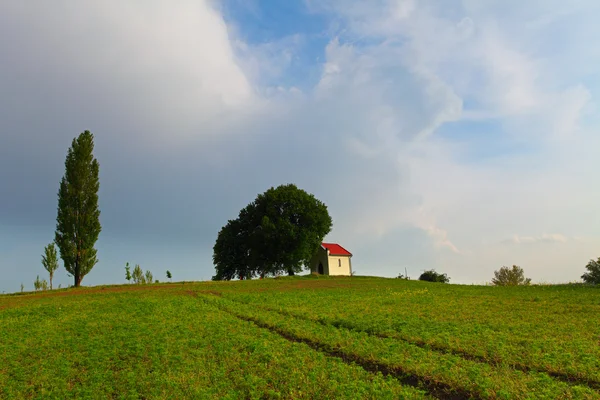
(460, 136)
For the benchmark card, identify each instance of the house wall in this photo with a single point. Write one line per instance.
(339, 265)
(331, 264)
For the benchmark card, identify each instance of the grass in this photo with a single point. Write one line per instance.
(302, 338)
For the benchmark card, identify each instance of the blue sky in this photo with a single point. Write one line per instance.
(455, 135)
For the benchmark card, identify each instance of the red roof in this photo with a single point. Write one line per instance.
(336, 250)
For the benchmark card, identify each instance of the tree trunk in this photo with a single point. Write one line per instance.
(291, 272)
(76, 276)
(50, 282)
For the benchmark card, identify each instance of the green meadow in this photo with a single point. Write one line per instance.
(302, 338)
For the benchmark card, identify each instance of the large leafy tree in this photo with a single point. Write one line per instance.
(510, 277)
(231, 254)
(50, 261)
(278, 232)
(78, 219)
(593, 274)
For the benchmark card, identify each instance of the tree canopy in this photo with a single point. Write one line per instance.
(593, 274)
(50, 261)
(510, 277)
(433, 276)
(78, 219)
(278, 232)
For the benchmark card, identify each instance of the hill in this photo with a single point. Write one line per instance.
(302, 337)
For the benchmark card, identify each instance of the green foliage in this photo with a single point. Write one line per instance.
(148, 277)
(78, 217)
(169, 276)
(127, 272)
(510, 277)
(40, 284)
(432, 276)
(50, 261)
(138, 275)
(278, 232)
(593, 274)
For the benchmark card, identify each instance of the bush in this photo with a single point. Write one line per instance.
(432, 276)
(148, 277)
(593, 274)
(510, 277)
(138, 275)
(40, 285)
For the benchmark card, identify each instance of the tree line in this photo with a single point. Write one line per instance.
(514, 276)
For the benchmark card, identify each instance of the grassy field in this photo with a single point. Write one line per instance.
(302, 338)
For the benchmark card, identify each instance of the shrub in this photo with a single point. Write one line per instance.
(593, 274)
(138, 275)
(40, 285)
(510, 277)
(432, 276)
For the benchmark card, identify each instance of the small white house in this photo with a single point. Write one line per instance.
(331, 259)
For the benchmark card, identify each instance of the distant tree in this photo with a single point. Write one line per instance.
(78, 218)
(278, 232)
(40, 284)
(510, 277)
(432, 276)
(148, 277)
(50, 261)
(127, 272)
(169, 276)
(138, 275)
(22, 287)
(593, 274)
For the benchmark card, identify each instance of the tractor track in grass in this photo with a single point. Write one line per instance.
(559, 376)
(434, 388)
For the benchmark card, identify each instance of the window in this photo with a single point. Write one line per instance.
(339, 262)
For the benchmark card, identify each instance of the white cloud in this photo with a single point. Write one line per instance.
(544, 238)
(478, 63)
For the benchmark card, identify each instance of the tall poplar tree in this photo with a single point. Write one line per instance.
(78, 219)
